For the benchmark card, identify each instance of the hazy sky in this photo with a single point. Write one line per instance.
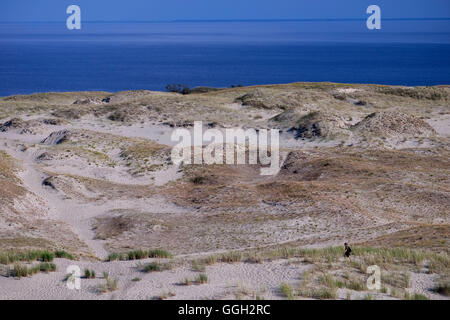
(149, 10)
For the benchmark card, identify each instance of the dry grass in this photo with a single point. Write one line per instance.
(21, 270)
(396, 279)
(286, 291)
(110, 285)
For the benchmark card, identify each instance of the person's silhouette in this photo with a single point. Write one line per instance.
(347, 251)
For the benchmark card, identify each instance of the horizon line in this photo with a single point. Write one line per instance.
(238, 20)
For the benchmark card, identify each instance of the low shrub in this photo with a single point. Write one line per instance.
(178, 88)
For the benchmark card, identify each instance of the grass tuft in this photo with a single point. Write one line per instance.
(64, 254)
(10, 257)
(202, 278)
(155, 267)
(110, 285)
(286, 291)
(140, 254)
(89, 274)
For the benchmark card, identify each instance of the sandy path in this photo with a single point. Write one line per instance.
(77, 215)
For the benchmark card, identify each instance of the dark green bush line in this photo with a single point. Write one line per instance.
(9, 257)
(140, 254)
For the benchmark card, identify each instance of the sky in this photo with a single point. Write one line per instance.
(163, 10)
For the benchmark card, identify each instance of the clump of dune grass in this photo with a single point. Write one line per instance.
(10, 257)
(397, 293)
(64, 254)
(439, 263)
(140, 254)
(231, 257)
(159, 253)
(254, 257)
(198, 266)
(187, 282)
(136, 279)
(89, 274)
(416, 296)
(117, 256)
(110, 285)
(368, 296)
(329, 281)
(137, 254)
(20, 270)
(47, 267)
(201, 278)
(325, 293)
(396, 279)
(355, 284)
(46, 256)
(155, 267)
(318, 293)
(286, 291)
(325, 285)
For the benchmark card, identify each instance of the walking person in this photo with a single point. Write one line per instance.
(347, 251)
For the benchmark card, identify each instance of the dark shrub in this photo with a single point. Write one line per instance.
(179, 88)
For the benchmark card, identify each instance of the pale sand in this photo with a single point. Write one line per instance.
(225, 281)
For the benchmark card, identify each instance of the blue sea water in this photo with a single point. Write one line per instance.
(41, 57)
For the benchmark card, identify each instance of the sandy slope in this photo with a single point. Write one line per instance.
(363, 163)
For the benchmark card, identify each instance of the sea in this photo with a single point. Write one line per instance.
(115, 56)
